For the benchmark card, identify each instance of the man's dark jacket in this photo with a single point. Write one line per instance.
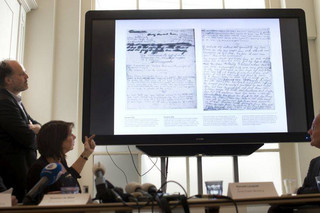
(17, 144)
(310, 184)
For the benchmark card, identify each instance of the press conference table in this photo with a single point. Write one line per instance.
(310, 199)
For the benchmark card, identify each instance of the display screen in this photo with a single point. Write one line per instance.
(196, 76)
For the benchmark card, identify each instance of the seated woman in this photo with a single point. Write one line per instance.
(55, 139)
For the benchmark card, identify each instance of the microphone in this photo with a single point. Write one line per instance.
(105, 190)
(49, 175)
(136, 187)
(150, 188)
(136, 194)
(138, 197)
(99, 170)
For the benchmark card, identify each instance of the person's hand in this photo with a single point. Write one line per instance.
(89, 146)
(34, 127)
(14, 200)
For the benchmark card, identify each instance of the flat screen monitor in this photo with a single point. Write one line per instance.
(196, 77)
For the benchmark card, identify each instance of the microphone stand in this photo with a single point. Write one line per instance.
(164, 173)
(200, 179)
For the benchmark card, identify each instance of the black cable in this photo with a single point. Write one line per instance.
(152, 206)
(232, 200)
(172, 181)
(163, 175)
(186, 194)
(219, 197)
(117, 165)
(141, 175)
(137, 206)
(164, 205)
(182, 200)
(165, 183)
(185, 205)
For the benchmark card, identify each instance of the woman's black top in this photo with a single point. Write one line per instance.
(68, 179)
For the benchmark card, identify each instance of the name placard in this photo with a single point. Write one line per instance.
(5, 200)
(251, 190)
(64, 199)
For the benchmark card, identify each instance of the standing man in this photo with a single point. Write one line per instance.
(17, 129)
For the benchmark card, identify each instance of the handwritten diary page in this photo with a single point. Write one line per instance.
(160, 69)
(199, 76)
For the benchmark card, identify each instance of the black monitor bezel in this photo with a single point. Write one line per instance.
(180, 139)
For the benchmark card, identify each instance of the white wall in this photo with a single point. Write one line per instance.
(9, 25)
(39, 60)
(316, 88)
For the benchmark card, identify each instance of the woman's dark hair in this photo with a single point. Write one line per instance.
(51, 137)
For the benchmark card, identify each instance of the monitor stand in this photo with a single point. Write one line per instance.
(234, 150)
(193, 150)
